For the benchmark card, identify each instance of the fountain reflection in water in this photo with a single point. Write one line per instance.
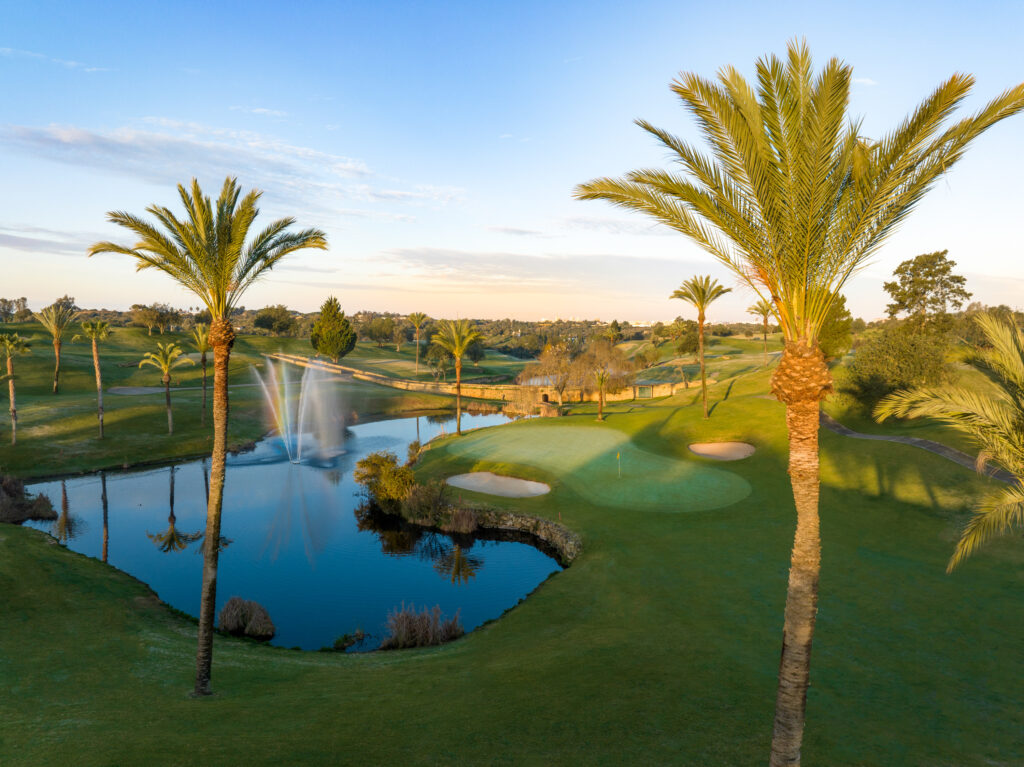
(309, 425)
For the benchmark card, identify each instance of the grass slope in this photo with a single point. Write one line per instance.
(658, 646)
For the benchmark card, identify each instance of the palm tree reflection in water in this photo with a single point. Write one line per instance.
(66, 527)
(171, 539)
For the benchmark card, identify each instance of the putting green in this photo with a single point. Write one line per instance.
(584, 459)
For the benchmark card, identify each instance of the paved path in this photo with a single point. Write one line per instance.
(949, 453)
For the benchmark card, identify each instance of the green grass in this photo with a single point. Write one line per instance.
(57, 434)
(659, 645)
(402, 364)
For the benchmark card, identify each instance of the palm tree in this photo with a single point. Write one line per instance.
(11, 345)
(458, 565)
(96, 331)
(416, 319)
(764, 310)
(455, 337)
(794, 200)
(207, 254)
(201, 340)
(171, 539)
(701, 292)
(165, 359)
(57, 318)
(992, 417)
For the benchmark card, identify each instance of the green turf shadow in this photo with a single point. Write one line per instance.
(585, 460)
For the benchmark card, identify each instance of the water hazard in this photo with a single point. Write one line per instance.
(296, 542)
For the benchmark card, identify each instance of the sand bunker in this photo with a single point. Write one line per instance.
(722, 451)
(495, 484)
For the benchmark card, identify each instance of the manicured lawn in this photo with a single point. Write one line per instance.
(402, 364)
(658, 645)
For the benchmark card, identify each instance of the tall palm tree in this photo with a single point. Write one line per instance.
(201, 340)
(57, 318)
(763, 309)
(207, 253)
(455, 337)
(166, 358)
(701, 292)
(992, 417)
(11, 345)
(96, 331)
(794, 200)
(416, 319)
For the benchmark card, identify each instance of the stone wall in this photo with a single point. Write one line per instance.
(481, 390)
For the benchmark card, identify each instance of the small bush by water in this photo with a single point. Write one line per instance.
(408, 628)
(241, 617)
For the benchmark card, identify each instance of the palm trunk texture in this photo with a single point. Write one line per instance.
(99, 384)
(800, 382)
(203, 360)
(766, 342)
(458, 396)
(14, 406)
(222, 337)
(167, 396)
(56, 367)
(703, 373)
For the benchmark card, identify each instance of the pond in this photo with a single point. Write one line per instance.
(298, 544)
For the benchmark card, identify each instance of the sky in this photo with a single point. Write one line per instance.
(437, 143)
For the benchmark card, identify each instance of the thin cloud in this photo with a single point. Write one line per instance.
(614, 225)
(34, 239)
(863, 81)
(259, 111)
(169, 151)
(516, 231)
(14, 53)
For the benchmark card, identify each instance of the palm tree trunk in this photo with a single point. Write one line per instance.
(99, 384)
(600, 403)
(103, 500)
(801, 381)
(458, 396)
(417, 351)
(10, 395)
(700, 354)
(203, 360)
(766, 342)
(56, 367)
(167, 396)
(222, 337)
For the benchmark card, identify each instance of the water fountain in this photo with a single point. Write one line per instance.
(310, 424)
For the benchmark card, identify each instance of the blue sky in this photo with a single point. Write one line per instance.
(438, 143)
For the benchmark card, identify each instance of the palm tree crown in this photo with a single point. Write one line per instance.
(992, 417)
(701, 292)
(56, 318)
(792, 198)
(207, 252)
(763, 309)
(201, 338)
(11, 345)
(94, 330)
(455, 337)
(166, 358)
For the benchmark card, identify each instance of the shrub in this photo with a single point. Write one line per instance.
(387, 483)
(408, 628)
(898, 357)
(17, 506)
(241, 617)
(424, 501)
(414, 452)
